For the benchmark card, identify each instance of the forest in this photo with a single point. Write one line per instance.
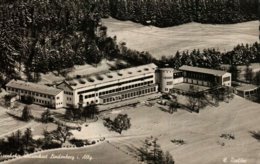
(39, 36)
(165, 13)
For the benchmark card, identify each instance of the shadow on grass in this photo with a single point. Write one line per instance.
(255, 134)
(136, 152)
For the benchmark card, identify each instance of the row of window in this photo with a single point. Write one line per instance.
(45, 102)
(198, 76)
(177, 75)
(89, 96)
(41, 101)
(68, 93)
(31, 93)
(117, 84)
(168, 77)
(126, 87)
(197, 82)
(92, 102)
(225, 79)
(60, 103)
(129, 95)
(69, 98)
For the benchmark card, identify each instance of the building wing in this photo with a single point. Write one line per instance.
(99, 79)
(202, 70)
(22, 85)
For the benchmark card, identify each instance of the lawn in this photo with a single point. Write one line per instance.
(103, 153)
(166, 41)
(201, 133)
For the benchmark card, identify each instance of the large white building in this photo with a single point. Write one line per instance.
(41, 94)
(110, 87)
(116, 86)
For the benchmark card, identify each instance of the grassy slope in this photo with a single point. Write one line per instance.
(200, 131)
(104, 153)
(166, 41)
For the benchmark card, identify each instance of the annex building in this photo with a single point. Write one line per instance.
(205, 76)
(168, 77)
(115, 86)
(40, 94)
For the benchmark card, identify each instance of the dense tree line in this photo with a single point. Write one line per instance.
(212, 58)
(18, 143)
(49, 35)
(39, 36)
(163, 13)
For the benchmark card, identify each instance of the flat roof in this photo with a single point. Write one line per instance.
(202, 70)
(166, 69)
(38, 88)
(94, 79)
(247, 87)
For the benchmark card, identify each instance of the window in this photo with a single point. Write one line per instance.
(58, 98)
(226, 79)
(169, 83)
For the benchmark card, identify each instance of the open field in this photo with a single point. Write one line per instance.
(201, 132)
(166, 41)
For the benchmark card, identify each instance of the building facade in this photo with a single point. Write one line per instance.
(110, 87)
(205, 77)
(116, 86)
(40, 94)
(167, 77)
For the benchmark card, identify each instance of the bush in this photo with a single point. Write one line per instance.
(27, 100)
(77, 142)
(227, 136)
(51, 145)
(26, 114)
(120, 123)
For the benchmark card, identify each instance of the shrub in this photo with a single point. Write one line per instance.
(77, 142)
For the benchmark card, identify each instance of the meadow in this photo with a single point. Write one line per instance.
(166, 41)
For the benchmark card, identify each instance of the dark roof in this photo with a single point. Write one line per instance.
(38, 88)
(202, 70)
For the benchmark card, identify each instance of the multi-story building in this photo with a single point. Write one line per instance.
(205, 76)
(116, 86)
(167, 77)
(40, 94)
(110, 87)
